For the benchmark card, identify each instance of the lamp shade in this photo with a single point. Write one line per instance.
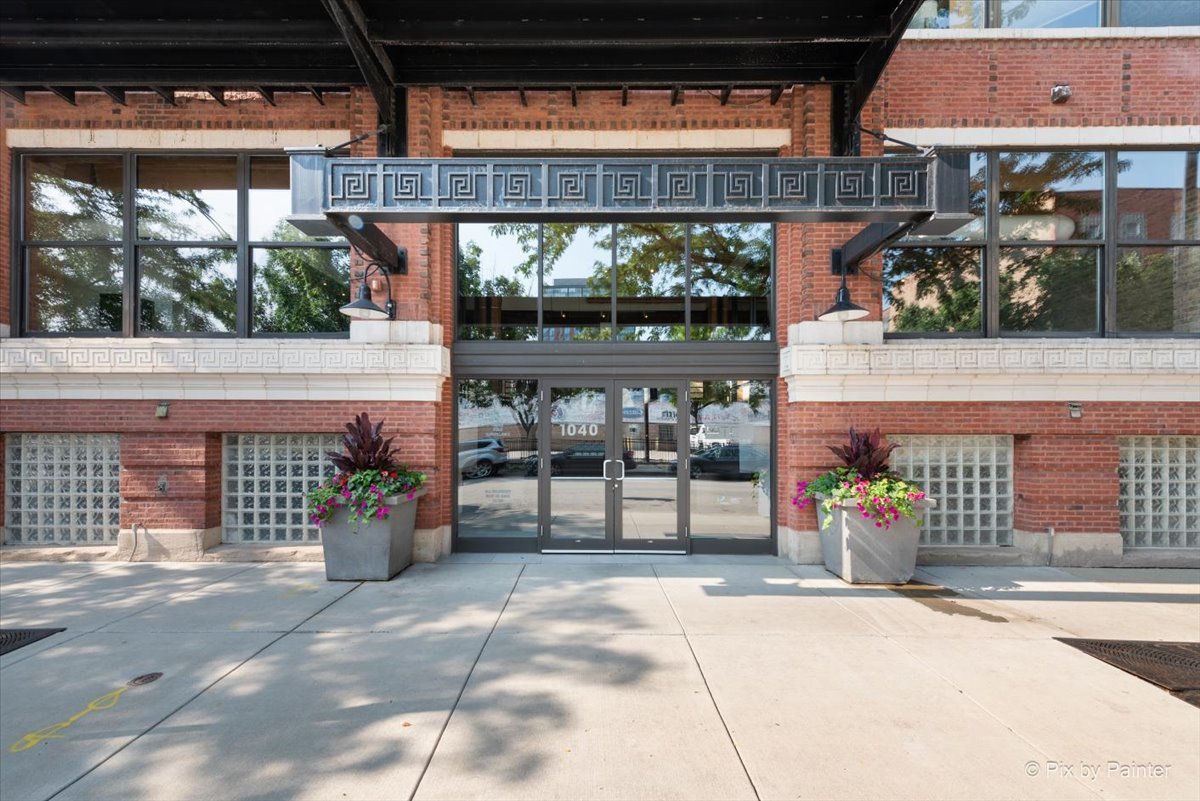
(363, 308)
(842, 310)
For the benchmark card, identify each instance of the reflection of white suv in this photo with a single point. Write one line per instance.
(480, 458)
(702, 436)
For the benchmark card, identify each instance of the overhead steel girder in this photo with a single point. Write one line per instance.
(895, 189)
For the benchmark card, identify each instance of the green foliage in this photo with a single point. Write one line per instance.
(364, 494)
(865, 481)
(944, 285)
(882, 499)
(301, 290)
(1146, 292)
(1048, 290)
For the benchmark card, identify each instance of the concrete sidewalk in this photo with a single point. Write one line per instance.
(588, 678)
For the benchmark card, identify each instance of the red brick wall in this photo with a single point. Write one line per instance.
(1006, 82)
(186, 447)
(1064, 468)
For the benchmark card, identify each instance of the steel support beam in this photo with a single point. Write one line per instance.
(116, 95)
(62, 92)
(867, 243)
(374, 64)
(870, 67)
(373, 243)
(16, 93)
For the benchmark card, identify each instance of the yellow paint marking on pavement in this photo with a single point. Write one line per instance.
(31, 739)
(307, 588)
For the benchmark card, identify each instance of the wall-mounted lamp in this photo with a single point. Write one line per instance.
(1060, 93)
(842, 309)
(363, 308)
(163, 409)
(1075, 410)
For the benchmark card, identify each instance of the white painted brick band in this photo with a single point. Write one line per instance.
(221, 369)
(995, 370)
(712, 139)
(1091, 136)
(128, 139)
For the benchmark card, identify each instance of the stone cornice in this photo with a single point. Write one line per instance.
(221, 369)
(995, 370)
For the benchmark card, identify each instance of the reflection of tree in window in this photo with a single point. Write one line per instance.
(74, 288)
(300, 290)
(1044, 289)
(932, 290)
(1039, 188)
(731, 273)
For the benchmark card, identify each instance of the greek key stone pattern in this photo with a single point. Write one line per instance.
(265, 479)
(568, 185)
(1159, 500)
(62, 489)
(971, 479)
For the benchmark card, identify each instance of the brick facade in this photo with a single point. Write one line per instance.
(1065, 468)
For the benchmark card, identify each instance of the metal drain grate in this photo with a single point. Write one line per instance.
(1174, 666)
(12, 639)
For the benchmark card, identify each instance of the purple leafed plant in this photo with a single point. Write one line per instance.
(864, 453)
(365, 448)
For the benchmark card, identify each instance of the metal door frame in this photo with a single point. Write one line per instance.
(614, 486)
(678, 545)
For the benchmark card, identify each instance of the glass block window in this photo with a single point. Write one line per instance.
(265, 479)
(62, 489)
(1160, 492)
(971, 479)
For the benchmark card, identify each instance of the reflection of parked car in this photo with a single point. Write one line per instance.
(584, 459)
(731, 461)
(480, 458)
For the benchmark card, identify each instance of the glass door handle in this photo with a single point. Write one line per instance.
(604, 470)
(621, 464)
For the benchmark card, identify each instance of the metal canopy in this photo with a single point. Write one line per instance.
(273, 45)
(341, 195)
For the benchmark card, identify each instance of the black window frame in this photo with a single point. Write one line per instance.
(614, 328)
(130, 243)
(1109, 245)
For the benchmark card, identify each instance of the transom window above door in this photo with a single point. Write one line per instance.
(628, 282)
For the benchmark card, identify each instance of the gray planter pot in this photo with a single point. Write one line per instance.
(861, 554)
(377, 549)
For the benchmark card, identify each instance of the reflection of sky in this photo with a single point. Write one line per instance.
(501, 253)
(267, 208)
(1152, 170)
(579, 258)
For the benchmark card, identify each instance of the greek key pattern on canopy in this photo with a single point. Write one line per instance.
(574, 186)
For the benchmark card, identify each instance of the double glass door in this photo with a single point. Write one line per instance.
(608, 466)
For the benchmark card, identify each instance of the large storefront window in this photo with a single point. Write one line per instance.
(497, 439)
(597, 282)
(205, 250)
(730, 464)
(1068, 242)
